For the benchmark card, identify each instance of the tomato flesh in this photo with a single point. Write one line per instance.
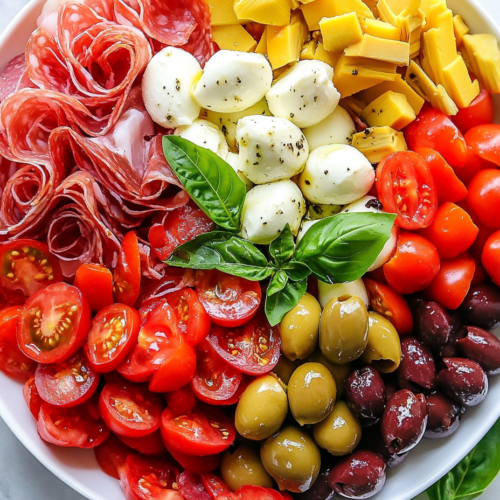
(96, 284)
(150, 445)
(32, 398)
(127, 275)
(111, 456)
(215, 486)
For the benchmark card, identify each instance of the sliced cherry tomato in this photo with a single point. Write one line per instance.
(257, 492)
(479, 112)
(228, 300)
(127, 273)
(68, 383)
(452, 231)
(216, 382)
(151, 445)
(449, 186)
(484, 196)
(452, 282)
(385, 301)
(27, 267)
(485, 141)
(199, 465)
(78, 427)
(473, 165)
(191, 486)
(32, 398)
(204, 430)
(96, 284)
(54, 324)
(215, 485)
(112, 336)
(491, 257)
(180, 226)
(181, 401)
(253, 349)
(414, 265)
(111, 456)
(129, 409)
(13, 362)
(407, 188)
(433, 129)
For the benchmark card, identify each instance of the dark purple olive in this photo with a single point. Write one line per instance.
(360, 475)
(444, 416)
(417, 369)
(371, 440)
(404, 421)
(481, 307)
(463, 380)
(365, 394)
(433, 324)
(482, 347)
(458, 331)
(320, 490)
(391, 387)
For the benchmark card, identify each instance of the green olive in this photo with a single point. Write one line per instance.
(292, 459)
(242, 467)
(299, 329)
(262, 408)
(339, 372)
(340, 432)
(311, 393)
(344, 329)
(383, 351)
(285, 368)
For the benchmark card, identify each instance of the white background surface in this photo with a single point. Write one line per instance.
(21, 476)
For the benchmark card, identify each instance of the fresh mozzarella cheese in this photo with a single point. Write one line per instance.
(336, 175)
(234, 160)
(268, 208)
(206, 135)
(306, 225)
(337, 128)
(306, 95)
(354, 288)
(233, 81)
(271, 149)
(167, 85)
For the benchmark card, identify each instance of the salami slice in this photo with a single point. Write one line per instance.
(13, 77)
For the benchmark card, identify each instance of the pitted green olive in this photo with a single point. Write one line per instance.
(311, 393)
(299, 329)
(339, 372)
(262, 408)
(292, 459)
(383, 351)
(285, 368)
(242, 467)
(344, 329)
(340, 432)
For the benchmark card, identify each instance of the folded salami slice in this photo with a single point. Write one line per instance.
(14, 77)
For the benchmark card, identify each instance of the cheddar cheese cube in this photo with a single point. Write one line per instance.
(378, 28)
(381, 49)
(460, 28)
(222, 12)
(483, 59)
(378, 142)
(273, 12)
(233, 37)
(390, 109)
(317, 10)
(341, 31)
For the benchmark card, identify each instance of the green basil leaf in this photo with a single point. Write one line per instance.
(296, 271)
(209, 180)
(470, 478)
(278, 304)
(342, 248)
(223, 251)
(278, 282)
(281, 249)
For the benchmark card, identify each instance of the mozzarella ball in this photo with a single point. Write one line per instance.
(268, 208)
(271, 149)
(337, 128)
(306, 95)
(354, 288)
(206, 135)
(336, 175)
(234, 160)
(167, 85)
(306, 225)
(233, 81)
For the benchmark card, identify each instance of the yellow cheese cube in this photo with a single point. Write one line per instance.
(317, 10)
(390, 109)
(353, 104)
(262, 45)
(357, 6)
(483, 58)
(326, 56)
(380, 29)
(341, 31)
(306, 1)
(273, 12)
(378, 142)
(222, 12)
(372, 5)
(233, 37)
(460, 28)
(458, 83)
(381, 49)
(308, 50)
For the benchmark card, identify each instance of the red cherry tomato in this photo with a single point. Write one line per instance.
(53, 324)
(491, 257)
(27, 267)
(215, 486)
(484, 196)
(485, 141)
(33, 400)
(452, 231)
(199, 465)
(452, 282)
(129, 409)
(96, 284)
(228, 300)
(257, 492)
(406, 188)
(111, 456)
(112, 336)
(480, 275)
(127, 274)
(253, 349)
(150, 445)
(473, 165)
(414, 265)
(68, 383)
(479, 112)
(390, 304)
(433, 129)
(181, 401)
(13, 362)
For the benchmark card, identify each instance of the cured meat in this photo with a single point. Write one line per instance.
(14, 77)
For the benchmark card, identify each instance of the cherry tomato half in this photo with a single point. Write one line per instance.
(96, 284)
(479, 112)
(111, 456)
(53, 324)
(33, 400)
(491, 257)
(181, 401)
(485, 141)
(228, 300)
(127, 274)
(484, 196)
(199, 465)
(253, 492)
(406, 188)
(150, 445)
(191, 486)
(215, 485)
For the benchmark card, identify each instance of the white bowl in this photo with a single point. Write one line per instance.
(78, 468)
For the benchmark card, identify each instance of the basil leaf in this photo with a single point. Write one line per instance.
(281, 249)
(278, 282)
(223, 251)
(209, 180)
(279, 303)
(341, 248)
(470, 478)
(296, 271)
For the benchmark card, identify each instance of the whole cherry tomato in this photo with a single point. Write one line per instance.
(479, 112)
(484, 196)
(491, 257)
(473, 164)
(127, 273)
(485, 141)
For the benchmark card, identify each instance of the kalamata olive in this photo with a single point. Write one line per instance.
(391, 387)
(458, 331)
(365, 394)
(404, 421)
(481, 306)
(320, 489)
(464, 381)
(482, 347)
(372, 441)
(432, 323)
(443, 416)
(417, 369)
(361, 475)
